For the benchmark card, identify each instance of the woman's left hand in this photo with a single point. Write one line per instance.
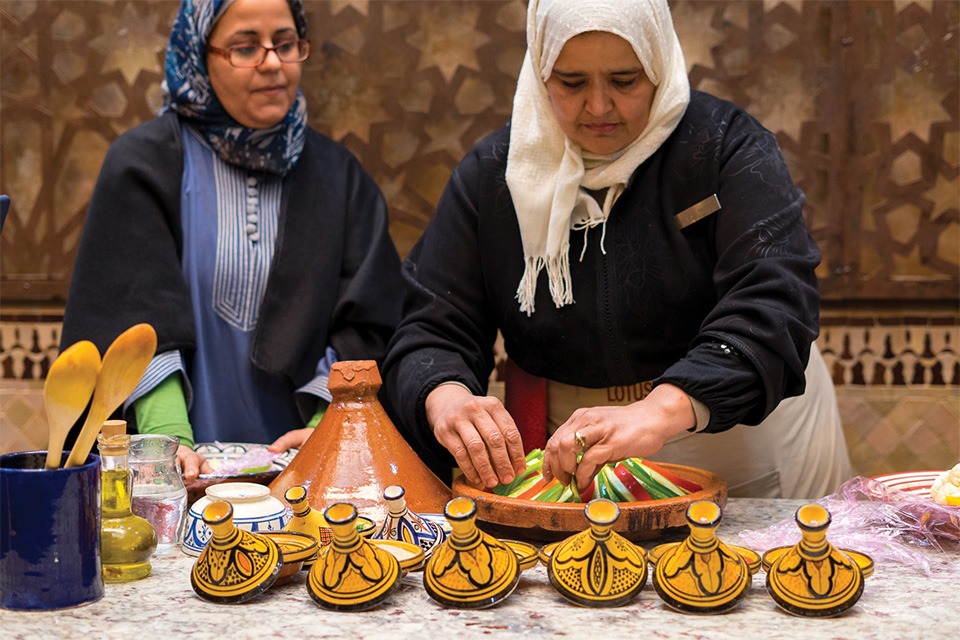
(293, 439)
(609, 434)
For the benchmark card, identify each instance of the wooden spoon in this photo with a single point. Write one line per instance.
(66, 392)
(123, 365)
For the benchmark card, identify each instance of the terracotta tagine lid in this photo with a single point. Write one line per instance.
(356, 452)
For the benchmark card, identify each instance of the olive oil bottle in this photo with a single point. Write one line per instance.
(126, 540)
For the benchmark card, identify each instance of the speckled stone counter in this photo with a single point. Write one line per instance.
(898, 602)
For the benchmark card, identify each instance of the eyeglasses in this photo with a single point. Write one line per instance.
(247, 56)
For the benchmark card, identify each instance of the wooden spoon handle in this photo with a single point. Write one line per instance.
(95, 418)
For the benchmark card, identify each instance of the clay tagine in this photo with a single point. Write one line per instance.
(356, 452)
(598, 567)
(702, 574)
(813, 578)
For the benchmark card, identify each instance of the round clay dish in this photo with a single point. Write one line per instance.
(506, 517)
(295, 549)
(411, 556)
(528, 555)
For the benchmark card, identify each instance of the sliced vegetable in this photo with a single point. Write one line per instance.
(683, 483)
(657, 489)
(664, 482)
(633, 479)
(260, 469)
(552, 492)
(603, 487)
(568, 495)
(587, 494)
(534, 461)
(630, 482)
(536, 489)
(619, 492)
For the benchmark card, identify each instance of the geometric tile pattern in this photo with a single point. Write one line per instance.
(906, 430)
(864, 98)
(893, 356)
(913, 356)
(28, 348)
(23, 425)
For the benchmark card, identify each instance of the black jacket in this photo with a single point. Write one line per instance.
(658, 305)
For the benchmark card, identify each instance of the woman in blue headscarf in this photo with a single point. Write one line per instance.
(256, 247)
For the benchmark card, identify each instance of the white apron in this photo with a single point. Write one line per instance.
(799, 451)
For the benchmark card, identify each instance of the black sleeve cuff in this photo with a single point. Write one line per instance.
(722, 378)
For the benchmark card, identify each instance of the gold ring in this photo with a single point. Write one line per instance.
(581, 441)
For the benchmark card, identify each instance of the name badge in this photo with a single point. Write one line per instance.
(697, 212)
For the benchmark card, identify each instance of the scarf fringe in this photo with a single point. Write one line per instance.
(558, 278)
(527, 289)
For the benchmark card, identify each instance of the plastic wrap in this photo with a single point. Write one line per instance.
(254, 460)
(887, 524)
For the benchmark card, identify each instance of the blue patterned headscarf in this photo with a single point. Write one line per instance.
(187, 91)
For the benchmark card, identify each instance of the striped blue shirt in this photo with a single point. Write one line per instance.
(229, 218)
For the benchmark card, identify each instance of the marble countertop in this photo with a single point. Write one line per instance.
(898, 602)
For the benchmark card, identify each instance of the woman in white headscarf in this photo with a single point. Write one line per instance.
(687, 314)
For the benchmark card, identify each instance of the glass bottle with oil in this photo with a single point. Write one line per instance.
(126, 540)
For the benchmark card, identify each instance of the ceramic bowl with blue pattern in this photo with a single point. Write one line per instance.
(254, 509)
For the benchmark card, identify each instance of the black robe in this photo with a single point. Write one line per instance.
(334, 279)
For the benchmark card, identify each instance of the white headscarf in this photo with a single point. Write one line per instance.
(545, 170)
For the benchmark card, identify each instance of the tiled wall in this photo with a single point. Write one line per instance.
(898, 386)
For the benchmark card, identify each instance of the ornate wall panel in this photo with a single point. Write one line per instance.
(407, 86)
(863, 97)
(902, 191)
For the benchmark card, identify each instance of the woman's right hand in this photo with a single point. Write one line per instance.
(293, 439)
(192, 464)
(478, 432)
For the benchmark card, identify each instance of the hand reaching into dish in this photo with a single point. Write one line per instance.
(192, 464)
(479, 433)
(609, 434)
(293, 439)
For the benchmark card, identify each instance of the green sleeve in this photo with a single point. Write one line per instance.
(163, 410)
(318, 414)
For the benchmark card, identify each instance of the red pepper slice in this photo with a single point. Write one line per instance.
(587, 494)
(631, 483)
(683, 483)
